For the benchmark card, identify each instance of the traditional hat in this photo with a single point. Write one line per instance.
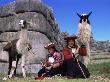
(50, 45)
(71, 37)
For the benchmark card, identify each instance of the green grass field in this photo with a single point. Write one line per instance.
(99, 69)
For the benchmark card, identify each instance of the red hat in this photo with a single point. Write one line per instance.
(71, 37)
(50, 45)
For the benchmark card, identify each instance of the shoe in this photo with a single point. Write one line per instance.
(39, 78)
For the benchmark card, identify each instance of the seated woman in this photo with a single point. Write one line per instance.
(72, 68)
(52, 63)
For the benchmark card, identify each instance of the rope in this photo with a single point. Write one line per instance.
(80, 67)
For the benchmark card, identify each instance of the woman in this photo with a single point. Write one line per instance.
(52, 63)
(72, 68)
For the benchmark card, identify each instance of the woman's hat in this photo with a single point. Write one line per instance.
(71, 37)
(50, 45)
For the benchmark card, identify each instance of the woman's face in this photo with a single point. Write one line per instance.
(51, 50)
(71, 42)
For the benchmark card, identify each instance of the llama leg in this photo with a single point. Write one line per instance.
(80, 58)
(10, 65)
(87, 58)
(16, 66)
(12, 69)
(23, 65)
(88, 52)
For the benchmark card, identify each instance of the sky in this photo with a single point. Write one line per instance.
(67, 19)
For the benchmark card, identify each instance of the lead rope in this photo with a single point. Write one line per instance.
(80, 67)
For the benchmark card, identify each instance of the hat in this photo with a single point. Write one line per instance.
(71, 37)
(50, 45)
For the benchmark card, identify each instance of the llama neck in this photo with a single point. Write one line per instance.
(23, 35)
(84, 32)
(84, 26)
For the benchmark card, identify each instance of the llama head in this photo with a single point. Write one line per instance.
(84, 17)
(23, 23)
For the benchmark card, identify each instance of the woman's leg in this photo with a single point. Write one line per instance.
(70, 68)
(63, 69)
(42, 72)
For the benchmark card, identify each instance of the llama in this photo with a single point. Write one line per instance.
(84, 34)
(17, 49)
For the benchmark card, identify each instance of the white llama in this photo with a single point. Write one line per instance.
(84, 34)
(22, 47)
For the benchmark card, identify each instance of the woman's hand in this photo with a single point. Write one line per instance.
(43, 64)
(48, 68)
(56, 65)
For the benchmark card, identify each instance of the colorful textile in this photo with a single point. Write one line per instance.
(67, 52)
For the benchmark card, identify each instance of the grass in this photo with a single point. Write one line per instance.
(100, 65)
(102, 69)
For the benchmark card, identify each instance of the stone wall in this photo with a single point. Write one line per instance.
(43, 28)
(100, 46)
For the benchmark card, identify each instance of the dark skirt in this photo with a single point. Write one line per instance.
(71, 68)
(49, 73)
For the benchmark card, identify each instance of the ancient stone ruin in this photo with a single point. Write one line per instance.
(43, 30)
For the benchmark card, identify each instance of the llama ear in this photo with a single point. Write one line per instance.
(89, 13)
(79, 15)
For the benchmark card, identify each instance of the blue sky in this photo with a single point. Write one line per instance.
(65, 13)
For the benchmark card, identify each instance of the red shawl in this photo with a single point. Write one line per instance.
(68, 53)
